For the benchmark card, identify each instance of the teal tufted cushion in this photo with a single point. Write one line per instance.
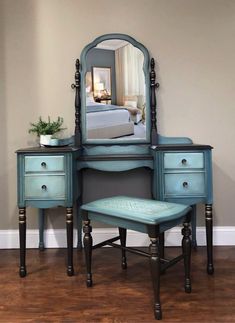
(145, 211)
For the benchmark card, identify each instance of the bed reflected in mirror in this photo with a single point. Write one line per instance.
(115, 91)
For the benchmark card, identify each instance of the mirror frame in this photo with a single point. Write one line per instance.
(82, 88)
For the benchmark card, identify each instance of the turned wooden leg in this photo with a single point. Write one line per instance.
(41, 223)
(209, 238)
(155, 272)
(122, 233)
(22, 233)
(186, 246)
(69, 227)
(87, 241)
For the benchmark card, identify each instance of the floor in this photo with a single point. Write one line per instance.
(48, 295)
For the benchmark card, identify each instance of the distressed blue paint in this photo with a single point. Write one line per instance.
(209, 181)
(174, 184)
(115, 166)
(162, 140)
(183, 160)
(116, 150)
(170, 174)
(54, 187)
(44, 163)
(58, 176)
(135, 213)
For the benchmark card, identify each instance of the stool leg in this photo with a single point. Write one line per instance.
(186, 246)
(155, 268)
(122, 233)
(87, 242)
(69, 228)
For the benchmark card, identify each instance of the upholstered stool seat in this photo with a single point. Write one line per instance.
(143, 215)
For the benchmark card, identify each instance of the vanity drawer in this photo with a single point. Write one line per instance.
(185, 184)
(45, 187)
(44, 164)
(183, 160)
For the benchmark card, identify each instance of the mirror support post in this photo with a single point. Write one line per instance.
(153, 86)
(76, 86)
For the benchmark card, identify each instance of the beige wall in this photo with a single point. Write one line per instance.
(193, 43)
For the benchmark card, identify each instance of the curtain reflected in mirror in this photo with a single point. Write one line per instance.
(115, 91)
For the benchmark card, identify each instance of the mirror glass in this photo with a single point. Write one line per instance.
(115, 92)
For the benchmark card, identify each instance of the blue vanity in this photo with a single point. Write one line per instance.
(115, 131)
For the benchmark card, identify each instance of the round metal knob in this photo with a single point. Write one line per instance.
(44, 188)
(185, 184)
(43, 164)
(184, 161)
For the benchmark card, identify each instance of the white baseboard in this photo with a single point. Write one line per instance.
(9, 239)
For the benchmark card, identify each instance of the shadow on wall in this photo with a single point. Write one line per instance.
(98, 184)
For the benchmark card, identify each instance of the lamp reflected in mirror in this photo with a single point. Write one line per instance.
(98, 89)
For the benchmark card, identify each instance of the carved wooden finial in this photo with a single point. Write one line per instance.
(153, 74)
(153, 86)
(76, 86)
(77, 64)
(77, 75)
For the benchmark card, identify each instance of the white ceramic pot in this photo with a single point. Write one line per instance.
(45, 140)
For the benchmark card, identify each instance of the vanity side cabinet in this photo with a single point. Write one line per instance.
(46, 177)
(183, 174)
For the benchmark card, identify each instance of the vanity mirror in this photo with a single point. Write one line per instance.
(113, 92)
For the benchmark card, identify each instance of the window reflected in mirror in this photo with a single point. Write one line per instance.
(115, 91)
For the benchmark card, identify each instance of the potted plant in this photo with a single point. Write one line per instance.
(46, 129)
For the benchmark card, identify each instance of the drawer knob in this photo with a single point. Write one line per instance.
(185, 184)
(43, 164)
(44, 187)
(184, 161)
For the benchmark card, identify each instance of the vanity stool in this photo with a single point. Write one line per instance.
(143, 215)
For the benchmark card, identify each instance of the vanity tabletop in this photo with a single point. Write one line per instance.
(51, 149)
(181, 147)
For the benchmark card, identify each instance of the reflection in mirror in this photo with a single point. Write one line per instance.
(115, 91)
